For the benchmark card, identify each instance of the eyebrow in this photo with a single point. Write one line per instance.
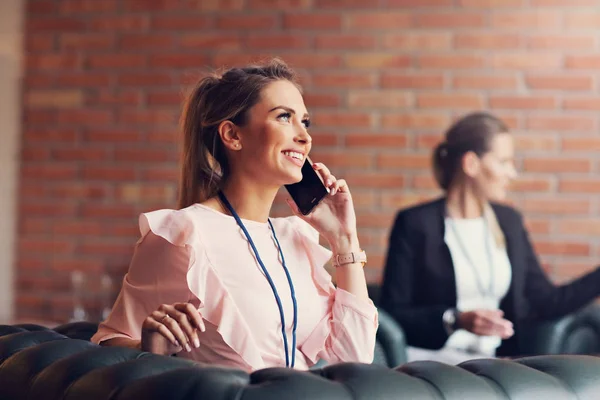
(290, 110)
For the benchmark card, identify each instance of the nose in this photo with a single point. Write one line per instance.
(302, 136)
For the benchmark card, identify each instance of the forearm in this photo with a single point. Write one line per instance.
(350, 277)
(122, 342)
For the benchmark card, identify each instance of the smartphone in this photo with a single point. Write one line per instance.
(309, 191)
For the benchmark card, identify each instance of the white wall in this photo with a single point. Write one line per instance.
(11, 23)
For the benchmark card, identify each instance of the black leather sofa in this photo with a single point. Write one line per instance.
(576, 333)
(44, 364)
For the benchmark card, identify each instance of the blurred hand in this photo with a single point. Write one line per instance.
(486, 323)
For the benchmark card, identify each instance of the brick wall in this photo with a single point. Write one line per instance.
(103, 86)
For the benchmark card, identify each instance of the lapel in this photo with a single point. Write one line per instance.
(443, 259)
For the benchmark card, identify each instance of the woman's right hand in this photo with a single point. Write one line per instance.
(172, 328)
(486, 323)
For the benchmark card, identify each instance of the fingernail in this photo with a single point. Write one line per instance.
(188, 348)
(196, 343)
(176, 343)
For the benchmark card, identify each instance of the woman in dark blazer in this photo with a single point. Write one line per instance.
(461, 273)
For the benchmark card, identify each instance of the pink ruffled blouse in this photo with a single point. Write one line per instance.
(201, 256)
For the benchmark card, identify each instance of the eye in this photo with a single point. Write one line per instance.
(306, 122)
(286, 117)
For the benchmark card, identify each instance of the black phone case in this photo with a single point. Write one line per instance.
(309, 191)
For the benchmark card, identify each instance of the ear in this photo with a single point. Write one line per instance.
(471, 164)
(229, 134)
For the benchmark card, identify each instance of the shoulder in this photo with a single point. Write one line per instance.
(176, 226)
(507, 214)
(422, 214)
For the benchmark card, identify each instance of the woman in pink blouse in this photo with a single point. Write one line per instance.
(217, 280)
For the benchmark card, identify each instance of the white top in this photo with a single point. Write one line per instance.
(473, 235)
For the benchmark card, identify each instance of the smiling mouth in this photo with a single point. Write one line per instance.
(294, 155)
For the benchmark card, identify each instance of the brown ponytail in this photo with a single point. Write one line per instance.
(217, 98)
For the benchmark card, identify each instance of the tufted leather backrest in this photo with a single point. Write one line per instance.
(50, 366)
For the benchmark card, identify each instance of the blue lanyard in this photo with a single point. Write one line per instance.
(289, 278)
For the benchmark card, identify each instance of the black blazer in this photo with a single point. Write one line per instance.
(419, 282)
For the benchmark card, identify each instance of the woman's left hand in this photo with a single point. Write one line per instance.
(334, 217)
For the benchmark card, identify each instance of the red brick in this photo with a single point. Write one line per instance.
(33, 116)
(112, 23)
(178, 60)
(555, 206)
(320, 21)
(181, 22)
(149, 6)
(579, 185)
(214, 5)
(85, 117)
(39, 81)
(345, 41)
(582, 103)
(535, 142)
(144, 79)
(53, 246)
(449, 101)
(581, 143)
(412, 81)
(556, 164)
(117, 61)
(379, 99)
(561, 3)
(37, 43)
(165, 98)
(35, 154)
(322, 100)
(204, 41)
(526, 20)
(91, 79)
(249, 22)
(277, 41)
(284, 5)
(561, 123)
(560, 82)
(87, 6)
(77, 228)
(79, 190)
(562, 248)
(376, 140)
(415, 121)
(375, 220)
(145, 155)
(121, 98)
(161, 174)
(53, 61)
(523, 102)
(537, 226)
(346, 4)
(524, 184)
(579, 226)
(79, 154)
(94, 247)
(343, 119)
(344, 80)
(108, 173)
(428, 141)
(146, 41)
(236, 59)
(376, 179)
(168, 137)
(377, 60)
(451, 19)
(148, 117)
(33, 225)
(451, 61)
(380, 20)
(41, 7)
(418, 3)
(55, 24)
(492, 3)
(99, 210)
(413, 41)
(86, 42)
(61, 209)
(582, 19)
(487, 41)
(562, 42)
(582, 62)
(526, 61)
(50, 135)
(342, 159)
(403, 161)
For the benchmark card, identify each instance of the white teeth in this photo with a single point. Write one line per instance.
(294, 154)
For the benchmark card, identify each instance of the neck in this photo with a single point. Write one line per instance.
(463, 202)
(251, 201)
